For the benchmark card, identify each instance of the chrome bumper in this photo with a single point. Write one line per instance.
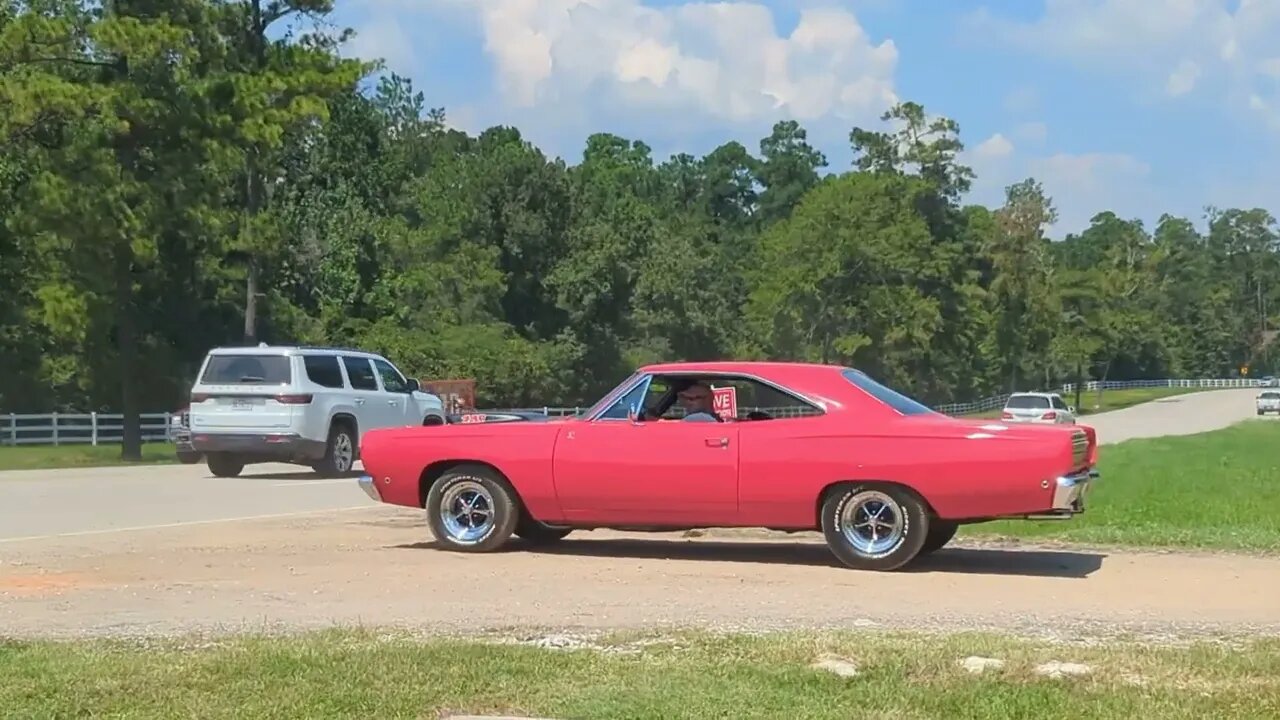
(366, 484)
(1069, 493)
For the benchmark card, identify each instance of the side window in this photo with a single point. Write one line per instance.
(360, 372)
(323, 370)
(1058, 403)
(758, 401)
(635, 396)
(392, 381)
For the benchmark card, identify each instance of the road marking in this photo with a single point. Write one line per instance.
(80, 533)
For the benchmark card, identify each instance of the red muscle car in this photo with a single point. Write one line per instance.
(785, 446)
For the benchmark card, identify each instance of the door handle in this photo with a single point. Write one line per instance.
(393, 402)
(359, 401)
(717, 442)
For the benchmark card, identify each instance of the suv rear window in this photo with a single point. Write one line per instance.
(1271, 396)
(892, 398)
(247, 370)
(1027, 402)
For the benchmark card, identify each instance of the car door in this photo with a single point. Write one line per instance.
(652, 472)
(1065, 415)
(371, 408)
(401, 409)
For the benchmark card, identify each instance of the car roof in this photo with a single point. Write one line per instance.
(265, 349)
(1033, 394)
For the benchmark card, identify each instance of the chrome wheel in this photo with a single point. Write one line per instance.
(467, 512)
(343, 452)
(872, 523)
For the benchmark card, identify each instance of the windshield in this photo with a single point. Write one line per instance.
(892, 398)
(247, 370)
(1027, 402)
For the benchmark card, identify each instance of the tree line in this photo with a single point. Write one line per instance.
(181, 174)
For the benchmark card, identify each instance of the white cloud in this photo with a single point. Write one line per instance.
(1033, 132)
(1183, 79)
(1191, 46)
(725, 61)
(1079, 184)
(725, 58)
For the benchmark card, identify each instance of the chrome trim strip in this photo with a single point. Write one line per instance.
(367, 485)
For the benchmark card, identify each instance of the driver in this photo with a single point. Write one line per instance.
(697, 403)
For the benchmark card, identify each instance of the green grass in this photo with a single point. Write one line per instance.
(363, 675)
(1218, 490)
(50, 457)
(1091, 403)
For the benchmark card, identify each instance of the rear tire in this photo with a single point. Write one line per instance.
(874, 527)
(339, 452)
(940, 533)
(472, 509)
(224, 465)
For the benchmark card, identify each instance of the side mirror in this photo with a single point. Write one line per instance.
(414, 385)
(1071, 409)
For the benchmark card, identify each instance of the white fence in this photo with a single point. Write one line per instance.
(80, 429)
(106, 428)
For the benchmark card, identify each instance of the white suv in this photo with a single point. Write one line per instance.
(1038, 407)
(302, 405)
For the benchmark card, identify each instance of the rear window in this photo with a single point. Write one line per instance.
(1027, 402)
(892, 398)
(1271, 396)
(247, 370)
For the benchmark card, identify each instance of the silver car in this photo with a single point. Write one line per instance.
(1038, 407)
(1268, 401)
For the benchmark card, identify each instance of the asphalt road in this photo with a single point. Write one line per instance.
(53, 503)
(58, 503)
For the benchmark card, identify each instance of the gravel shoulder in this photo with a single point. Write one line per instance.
(379, 567)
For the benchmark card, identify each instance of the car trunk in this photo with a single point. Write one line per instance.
(243, 392)
(1027, 408)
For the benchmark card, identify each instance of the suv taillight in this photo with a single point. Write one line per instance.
(1006, 415)
(293, 399)
(198, 397)
(1051, 415)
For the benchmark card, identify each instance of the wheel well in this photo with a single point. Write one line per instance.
(347, 421)
(433, 420)
(436, 470)
(822, 496)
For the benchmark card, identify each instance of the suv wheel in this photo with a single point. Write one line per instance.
(224, 465)
(339, 452)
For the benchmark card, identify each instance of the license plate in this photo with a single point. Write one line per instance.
(242, 404)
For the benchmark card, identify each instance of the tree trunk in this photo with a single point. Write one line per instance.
(1079, 382)
(251, 304)
(127, 346)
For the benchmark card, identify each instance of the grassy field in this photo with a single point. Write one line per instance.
(1218, 489)
(49, 457)
(1091, 403)
(362, 675)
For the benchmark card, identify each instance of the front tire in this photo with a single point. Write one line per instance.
(874, 527)
(472, 509)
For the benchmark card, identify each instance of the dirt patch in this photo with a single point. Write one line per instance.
(379, 567)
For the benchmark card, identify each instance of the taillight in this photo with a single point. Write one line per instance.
(293, 399)
(199, 397)
(1006, 415)
(1051, 415)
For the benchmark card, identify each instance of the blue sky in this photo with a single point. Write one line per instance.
(1138, 106)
